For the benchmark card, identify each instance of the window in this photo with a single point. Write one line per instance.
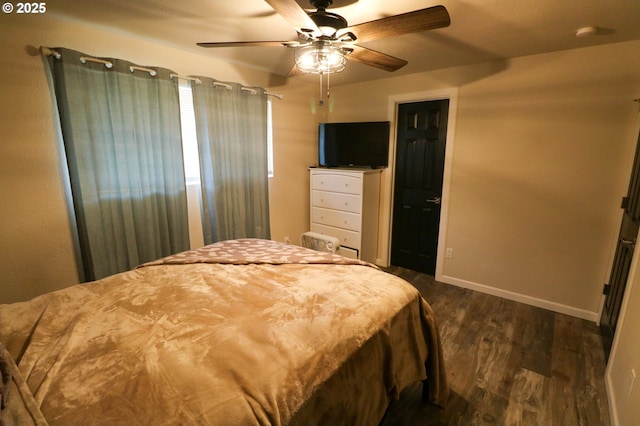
(192, 160)
(190, 140)
(269, 139)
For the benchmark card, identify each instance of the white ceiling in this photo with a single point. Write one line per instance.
(480, 31)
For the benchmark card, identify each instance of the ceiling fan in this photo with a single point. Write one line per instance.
(325, 38)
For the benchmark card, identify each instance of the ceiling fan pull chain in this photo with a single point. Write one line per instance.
(321, 102)
(328, 86)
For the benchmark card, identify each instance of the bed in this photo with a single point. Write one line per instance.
(239, 332)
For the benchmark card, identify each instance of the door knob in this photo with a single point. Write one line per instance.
(628, 242)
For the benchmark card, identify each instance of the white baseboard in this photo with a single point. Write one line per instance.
(381, 262)
(529, 300)
(611, 397)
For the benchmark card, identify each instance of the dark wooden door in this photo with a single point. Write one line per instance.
(614, 290)
(420, 149)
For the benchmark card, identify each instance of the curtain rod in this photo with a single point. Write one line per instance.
(246, 89)
(218, 84)
(133, 68)
(84, 59)
(49, 52)
(197, 80)
(253, 92)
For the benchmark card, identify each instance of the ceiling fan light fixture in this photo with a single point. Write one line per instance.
(321, 57)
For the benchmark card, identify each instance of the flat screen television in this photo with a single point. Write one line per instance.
(364, 144)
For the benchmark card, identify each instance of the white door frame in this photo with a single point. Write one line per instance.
(386, 216)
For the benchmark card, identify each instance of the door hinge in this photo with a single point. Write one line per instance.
(625, 202)
(606, 290)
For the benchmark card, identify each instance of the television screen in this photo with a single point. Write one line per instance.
(364, 144)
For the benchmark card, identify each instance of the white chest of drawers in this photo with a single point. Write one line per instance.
(345, 205)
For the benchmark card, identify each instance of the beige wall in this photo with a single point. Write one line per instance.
(36, 249)
(623, 391)
(295, 130)
(542, 149)
(295, 134)
(541, 154)
(625, 356)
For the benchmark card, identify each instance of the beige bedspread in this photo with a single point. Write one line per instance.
(246, 341)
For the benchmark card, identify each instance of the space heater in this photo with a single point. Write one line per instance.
(320, 242)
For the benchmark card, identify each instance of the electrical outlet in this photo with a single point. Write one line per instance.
(287, 240)
(449, 253)
(632, 380)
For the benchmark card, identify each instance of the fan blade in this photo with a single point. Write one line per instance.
(248, 43)
(410, 22)
(295, 15)
(375, 59)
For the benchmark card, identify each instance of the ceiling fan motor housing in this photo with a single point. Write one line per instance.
(321, 4)
(328, 19)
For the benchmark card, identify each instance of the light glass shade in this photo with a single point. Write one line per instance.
(320, 57)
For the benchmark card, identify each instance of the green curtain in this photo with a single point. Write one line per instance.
(231, 126)
(122, 141)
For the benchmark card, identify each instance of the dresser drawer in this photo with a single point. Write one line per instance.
(337, 201)
(347, 238)
(337, 183)
(339, 219)
(348, 252)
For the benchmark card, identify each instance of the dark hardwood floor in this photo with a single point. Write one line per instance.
(507, 363)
